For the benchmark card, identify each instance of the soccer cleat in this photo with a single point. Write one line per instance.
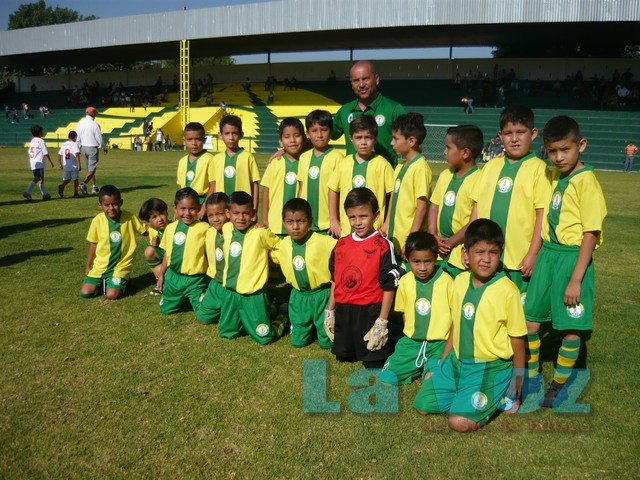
(61, 190)
(155, 292)
(83, 189)
(555, 395)
(75, 195)
(28, 196)
(46, 196)
(95, 189)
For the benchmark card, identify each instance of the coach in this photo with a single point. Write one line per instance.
(90, 138)
(364, 82)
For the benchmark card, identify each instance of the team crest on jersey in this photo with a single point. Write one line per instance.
(350, 118)
(380, 120)
(115, 237)
(576, 311)
(262, 330)
(479, 400)
(359, 181)
(523, 298)
(235, 249)
(219, 255)
(396, 187)
(468, 310)
(290, 178)
(191, 175)
(298, 263)
(556, 201)
(423, 306)
(229, 172)
(450, 198)
(116, 280)
(507, 404)
(314, 173)
(505, 185)
(179, 238)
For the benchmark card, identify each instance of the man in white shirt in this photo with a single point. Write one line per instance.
(90, 139)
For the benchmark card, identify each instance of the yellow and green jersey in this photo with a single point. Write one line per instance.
(453, 196)
(577, 206)
(485, 318)
(185, 246)
(376, 174)
(246, 257)
(235, 173)
(115, 244)
(215, 254)
(196, 174)
(154, 233)
(281, 178)
(314, 173)
(305, 265)
(412, 181)
(426, 306)
(509, 194)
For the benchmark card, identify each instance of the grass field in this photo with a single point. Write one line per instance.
(99, 389)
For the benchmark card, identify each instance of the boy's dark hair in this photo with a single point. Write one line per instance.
(364, 123)
(517, 114)
(37, 131)
(483, 230)
(467, 136)
(290, 122)
(240, 198)
(72, 135)
(150, 206)
(187, 192)
(232, 120)
(109, 191)
(419, 241)
(297, 205)
(218, 197)
(410, 125)
(561, 127)
(194, 127)
(320, 117)
(361, 196)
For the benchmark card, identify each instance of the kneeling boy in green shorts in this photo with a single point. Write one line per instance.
(562, 286)
(304, 259)
(424, 297)
(156, 213)
(483, 359)
(112, 247)
(182, 272)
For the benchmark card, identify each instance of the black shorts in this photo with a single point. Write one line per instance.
(351, 325)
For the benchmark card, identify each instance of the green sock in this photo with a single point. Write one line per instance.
(567, 357)
(533, 354)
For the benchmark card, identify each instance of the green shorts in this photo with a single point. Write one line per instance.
(516, 277)
(306, 313)
(178, 288)
(117, 283)
(208, 309)
(470, 390)
(411, 360)
(545, 298)
(246, 314)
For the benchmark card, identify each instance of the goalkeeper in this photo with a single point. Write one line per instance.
(364, 275)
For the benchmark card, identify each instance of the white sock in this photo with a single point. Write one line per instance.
(41, 185)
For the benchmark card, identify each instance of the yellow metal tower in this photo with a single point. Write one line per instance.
(184, 82)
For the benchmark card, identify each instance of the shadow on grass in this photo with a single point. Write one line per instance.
(142, 187)
(25, 227)
(551, 342)
(142, 283)
(24, 256)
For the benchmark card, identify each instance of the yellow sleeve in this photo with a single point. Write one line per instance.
(516, 326)
(267, 178)
(269, 239)
(254, 173)
(592, 205)
(422, 182)
(542, 187)
(389, 181)
(92, 235)
(401, 297)
(138, 225)
(334, 181)
(438, 192)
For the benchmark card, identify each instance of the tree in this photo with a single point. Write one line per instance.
(38, 14)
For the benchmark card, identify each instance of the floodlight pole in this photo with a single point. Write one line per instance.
(184, 82)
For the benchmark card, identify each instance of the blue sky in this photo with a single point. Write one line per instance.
(120, 8)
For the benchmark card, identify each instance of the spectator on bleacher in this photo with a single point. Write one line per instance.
(364, 82)
(270, 98)
(332, 76)
(15, 118)
(33, 88)
(6, 111)
(158, 145)
(137, 143)
(25, 110)
(223, 108)
(90, 139)
(627, 76)
(630, 151)
(167, 143)
(622, 92)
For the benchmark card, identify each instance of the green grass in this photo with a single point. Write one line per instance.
(95, 389)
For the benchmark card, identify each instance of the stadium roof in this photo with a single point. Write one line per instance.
(309, 25)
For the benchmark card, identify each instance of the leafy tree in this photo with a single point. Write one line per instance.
(38, 14)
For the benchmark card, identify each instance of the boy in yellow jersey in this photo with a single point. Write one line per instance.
(280, 180)
(182, 271)
(304, 259)
(451, 202)
(362, 169)
(512, 191)
(317, 166)
(196, 169)
(409, 201)
(156, 213)
(112, 247)
(484, 357)
(562, 286)
(245, 306)
(208, 310)
(424, 297)
(235, 169)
